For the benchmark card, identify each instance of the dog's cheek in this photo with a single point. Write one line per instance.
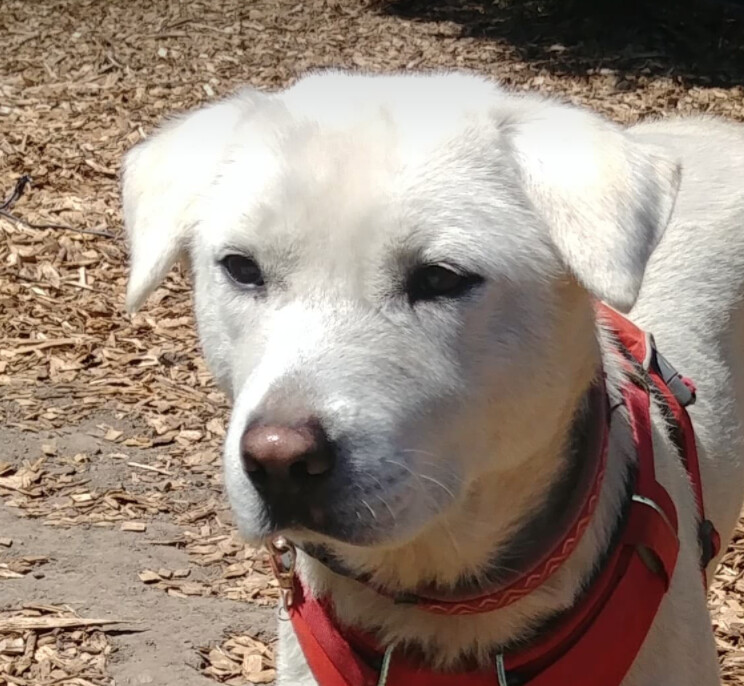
(216, 338)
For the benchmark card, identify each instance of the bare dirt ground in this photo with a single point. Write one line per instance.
(118, 560)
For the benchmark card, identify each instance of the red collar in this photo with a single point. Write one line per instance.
(617, 610)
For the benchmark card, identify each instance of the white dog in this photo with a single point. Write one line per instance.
(396, 281)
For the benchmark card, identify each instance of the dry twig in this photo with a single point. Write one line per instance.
(16, 195)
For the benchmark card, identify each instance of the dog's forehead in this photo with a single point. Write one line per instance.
(339, 170)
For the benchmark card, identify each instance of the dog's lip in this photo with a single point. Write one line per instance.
(303, 532)
(331, 532)
(324, 520)
(283, 520)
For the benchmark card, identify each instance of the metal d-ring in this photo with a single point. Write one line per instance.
(278, 548)
(643, 500)
(385, 666)
(501, 670)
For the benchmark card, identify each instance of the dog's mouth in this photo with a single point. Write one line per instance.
(353, 506)
(327, 519)
(297, 516)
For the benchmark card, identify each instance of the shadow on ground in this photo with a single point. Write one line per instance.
(698, 41)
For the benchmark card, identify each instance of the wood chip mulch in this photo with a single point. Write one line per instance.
(46, 645)
(128, 421)
(240, 660)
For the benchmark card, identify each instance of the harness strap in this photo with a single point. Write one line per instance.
(329, 655)
(676, 393)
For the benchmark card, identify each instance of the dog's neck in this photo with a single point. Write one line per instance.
(499, 508)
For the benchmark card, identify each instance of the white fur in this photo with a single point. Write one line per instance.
(454, 414)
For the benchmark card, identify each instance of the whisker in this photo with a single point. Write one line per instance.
(438, 465)
(419, 479)
(389, 509)
(451, 536)
(422, 477)
(438, 483)
(400, 464)
(369, 507)
(380, 498)
(418, 451)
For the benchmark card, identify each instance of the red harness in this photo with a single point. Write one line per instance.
(614, 615)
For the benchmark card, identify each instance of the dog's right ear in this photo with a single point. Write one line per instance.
(163, 179)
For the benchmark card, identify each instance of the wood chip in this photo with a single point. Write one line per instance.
(149, 577)
(82, 497)
(31, 623)
(150, 468)
(134, 526)
(6, 573)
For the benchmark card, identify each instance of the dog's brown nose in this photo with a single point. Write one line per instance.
(284, 455)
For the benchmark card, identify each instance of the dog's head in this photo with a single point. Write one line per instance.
(392, 282)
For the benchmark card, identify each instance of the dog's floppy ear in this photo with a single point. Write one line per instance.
(605, 197)
(163, 178)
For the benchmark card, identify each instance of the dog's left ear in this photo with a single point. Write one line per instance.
(605, 196)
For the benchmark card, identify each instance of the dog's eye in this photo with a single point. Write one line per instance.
(243, 270)
(437, 281)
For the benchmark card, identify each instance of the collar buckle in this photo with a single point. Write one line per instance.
(283, 559)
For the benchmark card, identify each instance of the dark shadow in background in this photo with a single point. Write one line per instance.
(699, 41)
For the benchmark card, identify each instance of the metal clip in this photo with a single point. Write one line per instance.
(385, 666)
(284, 569)
(503, 679)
